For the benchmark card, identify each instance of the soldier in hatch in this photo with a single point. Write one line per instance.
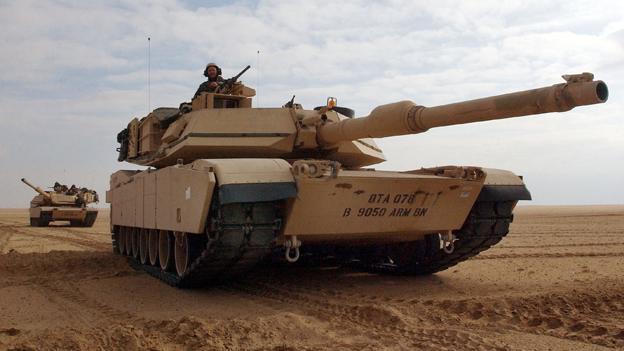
(213, 72)
(72, 190)
(60, 188)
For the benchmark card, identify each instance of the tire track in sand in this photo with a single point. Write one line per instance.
(7, 222)
(583, 234)
(4, 240)
(86, 232)
(384, 323)
(557, 245)
(547, 255)
(85, 243)
(84, 305)
(19, 269)
(590, 318)
(6, 232)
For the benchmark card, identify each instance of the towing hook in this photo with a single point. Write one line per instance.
(449, 247)
(289, 258)
(448, 242)
(292, 244)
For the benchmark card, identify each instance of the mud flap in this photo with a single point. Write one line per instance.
(256, 192)
(504, 193)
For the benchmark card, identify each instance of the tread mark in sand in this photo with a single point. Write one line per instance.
(383, 323)
(72, 294)
(564, 317)
(99, 246)
(4, 240)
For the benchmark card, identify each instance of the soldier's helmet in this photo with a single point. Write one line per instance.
(211, 64)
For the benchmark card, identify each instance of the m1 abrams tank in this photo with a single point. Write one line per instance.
(62, 204)
(229, 184)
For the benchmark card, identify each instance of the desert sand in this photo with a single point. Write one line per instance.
(554, 283)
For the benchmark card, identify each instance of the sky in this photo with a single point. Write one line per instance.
(73, 74)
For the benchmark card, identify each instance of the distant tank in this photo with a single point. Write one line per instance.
(62, 204)
(229, 184)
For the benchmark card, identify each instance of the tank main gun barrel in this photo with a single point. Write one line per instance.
(406, 117)
(36, 188)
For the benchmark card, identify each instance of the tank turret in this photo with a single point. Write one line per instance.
(225, 125)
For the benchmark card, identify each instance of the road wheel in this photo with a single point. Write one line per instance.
(143, 242)
(135, 243)
(182, 252)
(165, 250)
(121, 240)
(121, 243)
(153, 246)
(129, 231)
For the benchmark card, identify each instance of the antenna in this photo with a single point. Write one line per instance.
(149, 59)
(258, 79)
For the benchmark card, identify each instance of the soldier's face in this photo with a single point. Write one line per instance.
(212, 72)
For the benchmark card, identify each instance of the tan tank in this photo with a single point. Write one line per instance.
(62, 204)
(231, 184)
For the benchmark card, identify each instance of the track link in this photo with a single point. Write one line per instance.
(237, 237)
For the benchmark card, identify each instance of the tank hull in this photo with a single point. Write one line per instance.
(373, 204)
(235, 184)
(76, 216)
(231, 213)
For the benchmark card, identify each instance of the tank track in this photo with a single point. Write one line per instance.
(43, 220)
(88, 221)
(486, 225)
(237, 237)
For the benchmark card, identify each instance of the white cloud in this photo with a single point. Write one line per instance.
(73, 74)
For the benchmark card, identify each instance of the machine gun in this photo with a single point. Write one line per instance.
(226, 87)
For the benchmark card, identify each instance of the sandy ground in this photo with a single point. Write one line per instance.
(554, 283)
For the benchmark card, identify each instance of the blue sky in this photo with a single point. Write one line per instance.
(74, 73)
